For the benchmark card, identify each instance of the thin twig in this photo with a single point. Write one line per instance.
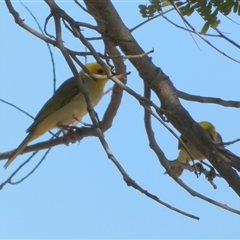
(227, 39)
(45, 26)
(19, 109)
(205, 40)
(150, 19)
(231, 142)
(32, 171)
(201, 99)
(186, 29)
(48, 46)
(35, 168)
(9, 179)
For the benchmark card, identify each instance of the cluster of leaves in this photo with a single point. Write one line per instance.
(207, 9)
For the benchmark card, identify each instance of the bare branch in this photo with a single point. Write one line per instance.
(205, 40)
(21, 23)
(231, 142)
(48, 45)
(228, 39)
(164, 162)
(9, 179)
(186, 29)
(150, 19)
(19, 109)
(164, 89)
(201, 99)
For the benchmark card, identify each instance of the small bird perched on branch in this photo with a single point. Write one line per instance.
(66, 106)
(184, 157)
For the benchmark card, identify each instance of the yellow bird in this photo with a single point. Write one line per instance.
(66, 106)
(183, 154)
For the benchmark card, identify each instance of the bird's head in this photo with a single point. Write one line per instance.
(209, 127)
(98, 73)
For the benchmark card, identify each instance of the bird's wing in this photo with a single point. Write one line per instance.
(218, 140)
(63, 95)
(183, 139)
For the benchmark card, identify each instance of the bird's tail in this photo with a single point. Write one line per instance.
(30, 137)
(177, 171)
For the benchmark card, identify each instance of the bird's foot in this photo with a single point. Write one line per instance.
(199, 167)
(211, 174)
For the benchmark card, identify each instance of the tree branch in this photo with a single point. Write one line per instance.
(162, 86)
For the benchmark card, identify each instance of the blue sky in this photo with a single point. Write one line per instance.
(77, 192)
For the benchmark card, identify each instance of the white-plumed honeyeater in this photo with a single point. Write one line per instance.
(66, 106)
(184, 157)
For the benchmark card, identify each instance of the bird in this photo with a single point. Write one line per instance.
(184, 157)
(66, 106)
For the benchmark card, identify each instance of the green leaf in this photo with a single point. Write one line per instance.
(205, 28)
(166, 3)
(215, 24)
(143, 10)
(207, 9)
(157, 5)
(235, 7)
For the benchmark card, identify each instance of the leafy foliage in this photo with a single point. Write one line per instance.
(207, 9)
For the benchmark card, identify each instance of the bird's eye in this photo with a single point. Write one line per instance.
(100, 71)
